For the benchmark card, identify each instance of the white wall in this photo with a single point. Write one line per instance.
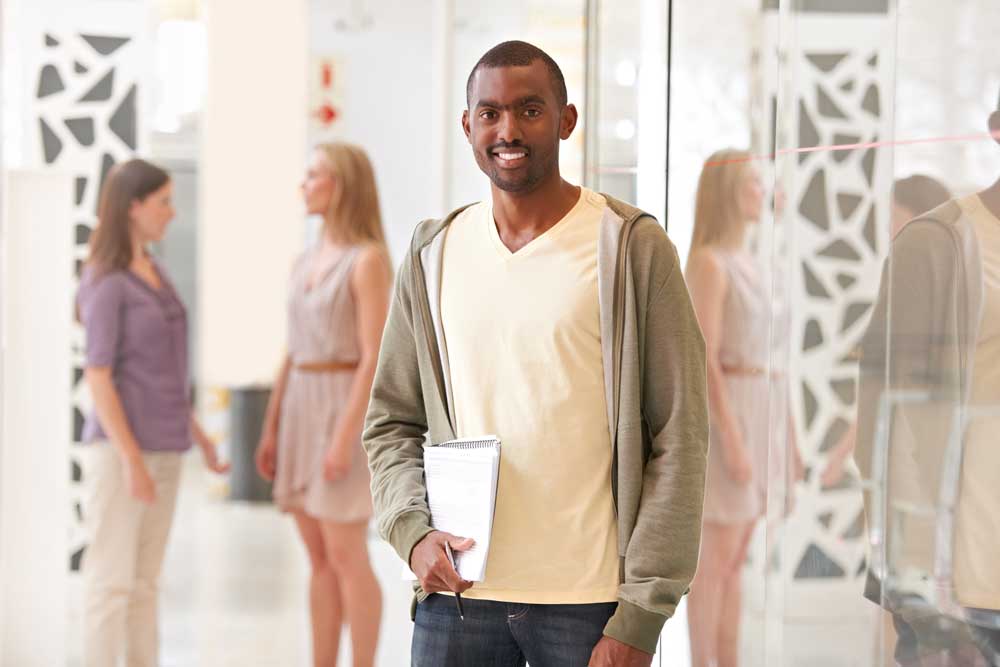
(253, 153)
(385, 53)
(34, 480)
(386, 71)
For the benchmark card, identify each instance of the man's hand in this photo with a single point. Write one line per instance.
(429, 562)
(612, 653)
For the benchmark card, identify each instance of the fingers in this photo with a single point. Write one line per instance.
(461, 543)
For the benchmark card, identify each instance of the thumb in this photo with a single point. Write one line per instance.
(460, 543)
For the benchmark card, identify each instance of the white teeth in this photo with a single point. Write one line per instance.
(510, 156)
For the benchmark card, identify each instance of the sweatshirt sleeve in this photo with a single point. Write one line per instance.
(662, 554)
(395, 428)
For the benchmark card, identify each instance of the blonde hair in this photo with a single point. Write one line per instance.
(354, 215)
(717, 206)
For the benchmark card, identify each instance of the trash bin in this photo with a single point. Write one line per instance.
(247, 407)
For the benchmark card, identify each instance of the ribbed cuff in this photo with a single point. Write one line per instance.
(408, 529)
(635, 626)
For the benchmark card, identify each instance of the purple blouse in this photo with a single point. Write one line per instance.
(141, 333)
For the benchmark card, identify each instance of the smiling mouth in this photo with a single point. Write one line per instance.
(510, 157)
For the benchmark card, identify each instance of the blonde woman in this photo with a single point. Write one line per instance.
(311, 445)
(732, 301)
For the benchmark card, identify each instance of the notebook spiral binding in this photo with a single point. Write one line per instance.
(476, 443)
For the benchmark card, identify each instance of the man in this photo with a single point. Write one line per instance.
(931, 353)
(558, 319)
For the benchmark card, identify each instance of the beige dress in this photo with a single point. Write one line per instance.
(743, 352)
(322, 328)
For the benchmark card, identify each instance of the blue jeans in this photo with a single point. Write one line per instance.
(506, 634)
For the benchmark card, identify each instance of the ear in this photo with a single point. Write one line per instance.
(133, 208)
(995, 125)
(466, 127)
(567, 121)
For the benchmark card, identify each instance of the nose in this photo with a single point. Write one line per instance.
(509, 129)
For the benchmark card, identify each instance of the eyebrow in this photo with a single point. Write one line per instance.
(524, 101)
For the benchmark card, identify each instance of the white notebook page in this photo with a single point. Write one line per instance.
(461, 478)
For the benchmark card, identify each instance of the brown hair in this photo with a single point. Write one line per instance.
(111, 242)
(354, 214)
(920, 193)
(717, 207)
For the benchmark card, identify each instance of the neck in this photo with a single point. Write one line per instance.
(138, 251)
(991, 198)
(535, 211)
(733, 240)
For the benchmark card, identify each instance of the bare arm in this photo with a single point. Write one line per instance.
(708, 284)
(208, 448)
(371, 285)
(111, 414)
(273, 415)
(266, 455)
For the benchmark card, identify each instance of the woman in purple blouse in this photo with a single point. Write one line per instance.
(142, 422)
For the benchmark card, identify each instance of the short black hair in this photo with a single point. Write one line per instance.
(519, 54)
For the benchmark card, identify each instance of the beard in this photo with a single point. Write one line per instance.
(526, 179)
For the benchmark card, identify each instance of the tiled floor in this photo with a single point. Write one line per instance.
(234, 595)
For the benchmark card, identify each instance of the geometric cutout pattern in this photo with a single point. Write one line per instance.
(123, 121)
(810, 405)
(871, 103)
(105, 45)
(51, 143)
(869, 232)
(49, 82)
(76, 559)
(848, 204)
(826, 62)
(839, 219)
(815, 564)
(814, 206)
(846, 280)
(81, 189)
(857, 528)
(839, 139)
(82, 234)
(834, 434)
(853, 313)
(107, 162)
(102, 90)
(813, 336)
(868, 166)
(808, 134)
(814, 287)
(827, 107)
(845, 390)
(88, 147)
(82, 129)
(840, 249)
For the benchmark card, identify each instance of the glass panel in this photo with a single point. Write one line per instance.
(627, 100)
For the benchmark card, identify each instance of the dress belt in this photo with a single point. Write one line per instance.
(326, 366)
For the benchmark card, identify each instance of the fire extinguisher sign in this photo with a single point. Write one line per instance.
(326, 99)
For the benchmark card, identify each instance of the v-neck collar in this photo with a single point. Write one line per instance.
(308, 289)
(156, 291)
(530, 247)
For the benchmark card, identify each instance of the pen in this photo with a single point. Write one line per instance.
(458, 596)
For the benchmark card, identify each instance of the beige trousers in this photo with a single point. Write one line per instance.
(121, 566)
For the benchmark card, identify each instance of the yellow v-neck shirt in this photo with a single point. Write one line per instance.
(522, 333)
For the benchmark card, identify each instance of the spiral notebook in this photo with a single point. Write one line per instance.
(461, 478)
